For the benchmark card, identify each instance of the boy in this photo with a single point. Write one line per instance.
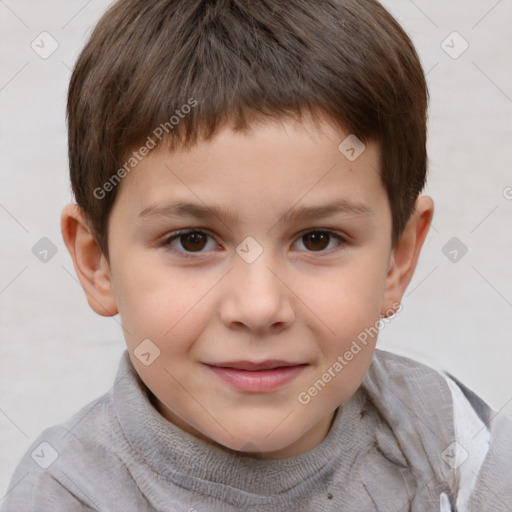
(287, 140)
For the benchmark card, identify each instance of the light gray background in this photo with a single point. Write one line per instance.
(56, 355)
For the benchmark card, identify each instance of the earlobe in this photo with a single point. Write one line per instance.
(405, 254)
(90, 264)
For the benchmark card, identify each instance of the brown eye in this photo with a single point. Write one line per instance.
(316, 240)
(190, 241)
(319, 240)
(194, 241)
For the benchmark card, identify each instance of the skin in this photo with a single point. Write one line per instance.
(302, 300)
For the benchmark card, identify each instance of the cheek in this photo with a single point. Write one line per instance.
(347, 304)
(157, 302)
(346, 297)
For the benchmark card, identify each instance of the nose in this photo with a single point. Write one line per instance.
(256, 297)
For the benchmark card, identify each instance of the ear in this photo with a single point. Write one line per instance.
(405, 254)
(90, 264)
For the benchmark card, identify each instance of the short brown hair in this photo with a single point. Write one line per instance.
(240, 60)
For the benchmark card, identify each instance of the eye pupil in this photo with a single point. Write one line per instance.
(196, 238)
(317, 237)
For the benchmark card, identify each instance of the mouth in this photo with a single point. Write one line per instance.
(253, 366)
(257, 377)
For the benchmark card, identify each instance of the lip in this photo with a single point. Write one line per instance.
(268, 364)
(257, 377)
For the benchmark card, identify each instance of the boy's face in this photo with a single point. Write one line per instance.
(255, 286)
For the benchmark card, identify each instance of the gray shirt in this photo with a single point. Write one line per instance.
(410, 438)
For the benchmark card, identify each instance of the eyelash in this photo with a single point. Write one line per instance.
(190, 255)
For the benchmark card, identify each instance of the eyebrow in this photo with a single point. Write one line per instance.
(185, 209)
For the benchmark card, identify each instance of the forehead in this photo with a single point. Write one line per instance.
(274, 166)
